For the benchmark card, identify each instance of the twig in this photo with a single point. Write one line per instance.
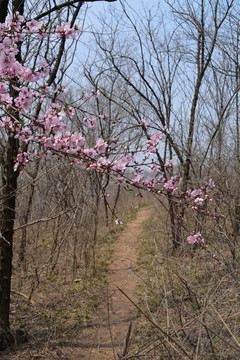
(3, 238)
(109, 325)
(199, 336)
(225, 324)
(157, 326)
(23, 295)
(126, 342)
(43, 219)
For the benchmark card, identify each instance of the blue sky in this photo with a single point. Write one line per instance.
(98, 8)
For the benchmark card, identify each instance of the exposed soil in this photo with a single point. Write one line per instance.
(104, 339)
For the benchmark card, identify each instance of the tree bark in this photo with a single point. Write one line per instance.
(8, 206)
(9, 181)
(3, 10)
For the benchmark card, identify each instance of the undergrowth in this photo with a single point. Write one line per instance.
(56, 309)
(189, 301)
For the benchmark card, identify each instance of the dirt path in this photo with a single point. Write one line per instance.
(105, 339)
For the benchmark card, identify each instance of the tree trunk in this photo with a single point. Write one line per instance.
(3, 10)
(8, 205)
(9, 182)
(23, 241)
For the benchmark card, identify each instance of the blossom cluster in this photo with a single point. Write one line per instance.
(195, 238)
(67, 31)
(21, 88)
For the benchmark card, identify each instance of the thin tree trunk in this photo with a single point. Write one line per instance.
(9, 181)
(175, 231)
(9, 192)
(23, 242)
(115, 203)
(236, 223)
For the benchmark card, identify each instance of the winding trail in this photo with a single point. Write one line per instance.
(105, 338)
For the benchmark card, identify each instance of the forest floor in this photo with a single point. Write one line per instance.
(104, 338)
(188, 302)
(84, 319)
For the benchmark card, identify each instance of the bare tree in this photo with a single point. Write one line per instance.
(162, 66)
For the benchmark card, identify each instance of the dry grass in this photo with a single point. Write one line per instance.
(53, 307)
(190, 300)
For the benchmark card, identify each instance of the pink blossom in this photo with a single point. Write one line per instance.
(89, 152)
(96, 93)
(6, 99)
(211, 183)
(118, 222)
(199, 201)
(45, 68)
(33, 26)
(166, 130)
(171, 185)
(121, 164)
(155, 138)
(101, 146)
(195, 238)
(6, 122)
(71, 112)
(90, 122)
(137, 178)
(143, 123)
(194, 194)
(66, 30)
(103, 162)
(151, 150)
